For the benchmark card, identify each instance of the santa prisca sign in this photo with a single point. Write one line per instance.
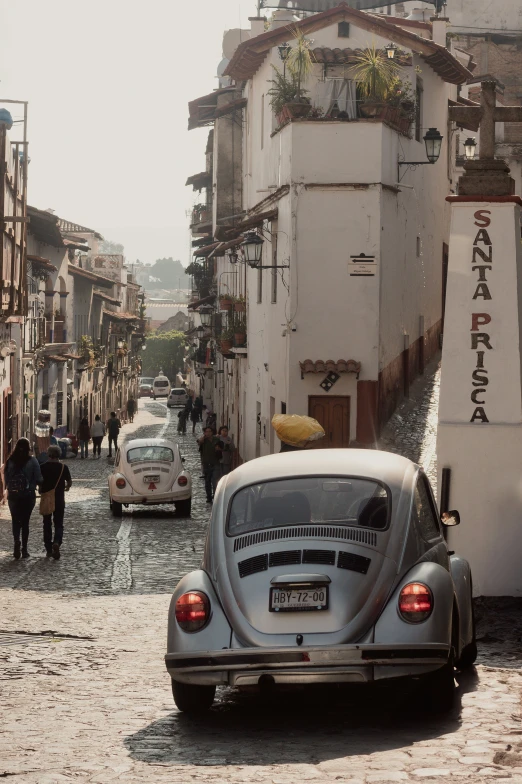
(481, 358)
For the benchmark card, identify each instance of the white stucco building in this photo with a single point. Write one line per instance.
(363, 241)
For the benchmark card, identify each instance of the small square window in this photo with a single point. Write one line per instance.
(343, 30)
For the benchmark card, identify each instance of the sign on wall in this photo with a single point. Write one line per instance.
(362, 266)
(481, 381)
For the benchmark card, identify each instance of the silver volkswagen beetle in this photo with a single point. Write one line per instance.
(324, 566)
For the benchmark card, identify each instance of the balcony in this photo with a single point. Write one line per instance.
(56, 333)
(201, 221)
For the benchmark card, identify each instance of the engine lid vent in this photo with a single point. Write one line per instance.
(259, 563)
(284, 558)
(319, 557)
(355, 563)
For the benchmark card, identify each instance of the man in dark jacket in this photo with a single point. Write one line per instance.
(113, 429)
(56, 476)
(210, 456)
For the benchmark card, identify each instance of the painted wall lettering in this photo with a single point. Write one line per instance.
(481, 262)
(481, 219)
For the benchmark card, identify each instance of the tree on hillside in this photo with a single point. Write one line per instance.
(111, 248)
(168, 274)
(165, 351)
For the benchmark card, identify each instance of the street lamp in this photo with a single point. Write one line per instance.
(469, 148)
(433, 142)
(232, 257)
(200, 331)
(252, 247)
(391, 50)
(283, 50)
(205, 314)
(120, 343)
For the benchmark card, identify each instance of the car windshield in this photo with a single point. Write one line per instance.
(338, 500)
(146, 380)
(148, 454)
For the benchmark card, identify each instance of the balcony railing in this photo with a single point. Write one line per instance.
(55, 333)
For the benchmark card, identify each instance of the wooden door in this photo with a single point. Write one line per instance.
(333, 413)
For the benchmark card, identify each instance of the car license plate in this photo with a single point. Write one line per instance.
(299, 600)
(151, 478)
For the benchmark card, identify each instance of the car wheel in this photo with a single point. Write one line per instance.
(183, 508)
(192, 699)
(468, 657)
(117, 509)
(438, 692)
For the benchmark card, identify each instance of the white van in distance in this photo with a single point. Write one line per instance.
(161, 387)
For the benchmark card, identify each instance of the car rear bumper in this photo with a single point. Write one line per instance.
(160, 498)
(345, 663)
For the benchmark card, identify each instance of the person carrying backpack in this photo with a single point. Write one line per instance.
(113, 429)
(22, 474)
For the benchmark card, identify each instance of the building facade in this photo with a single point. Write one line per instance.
(347, 307)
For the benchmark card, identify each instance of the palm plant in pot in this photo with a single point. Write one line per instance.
(376, 75)
(288, 96)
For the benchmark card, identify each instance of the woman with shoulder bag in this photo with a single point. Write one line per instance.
(22, 474)
(56, 480)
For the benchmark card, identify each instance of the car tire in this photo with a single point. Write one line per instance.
(438, 691)
(117, 509)
(468, 657)
(183, 508)
(190, 698)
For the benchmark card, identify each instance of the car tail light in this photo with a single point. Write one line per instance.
(415, 602)
(192, 611)
(121, 483)
(182, 481)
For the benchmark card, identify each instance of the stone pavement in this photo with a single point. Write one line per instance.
(85, 696)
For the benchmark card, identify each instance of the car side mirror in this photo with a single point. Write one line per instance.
(182, 459)
(450, 519)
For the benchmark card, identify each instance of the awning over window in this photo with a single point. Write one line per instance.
(199, 181)
(329, 366)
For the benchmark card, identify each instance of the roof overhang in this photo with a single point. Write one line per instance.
(250, 55)
(330, 366)
(205, 301)
(38, 261)
(92, 277)
(44, 227)
(199, 181)
(202, 110)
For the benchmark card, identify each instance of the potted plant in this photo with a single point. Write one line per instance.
(225, 341)
(240, 305)
(225, 302)
(240, 335)
(376, 76)
(287, 96)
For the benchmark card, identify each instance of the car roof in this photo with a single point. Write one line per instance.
(178, 389)
(137, 442)
(374, 464)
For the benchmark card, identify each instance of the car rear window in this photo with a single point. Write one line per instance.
(310, 500)
(147, 380)
(161, 383)
(178, 392)
(141, 454)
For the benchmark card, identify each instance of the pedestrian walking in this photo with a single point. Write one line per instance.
(131, 408)
(22, 474)
(182, 421)
(56, 480)
(209, 448)
(226, 450)
(97, 433)
(194, 416)
(84, 436)
(113, 429)
(211, 422)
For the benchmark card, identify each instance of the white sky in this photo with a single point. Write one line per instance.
(108, 82)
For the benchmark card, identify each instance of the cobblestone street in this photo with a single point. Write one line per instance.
(84, 692)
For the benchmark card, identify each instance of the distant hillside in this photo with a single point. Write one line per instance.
(163, 274)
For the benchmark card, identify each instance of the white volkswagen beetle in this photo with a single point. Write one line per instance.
(323, 567)
(150, 471)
